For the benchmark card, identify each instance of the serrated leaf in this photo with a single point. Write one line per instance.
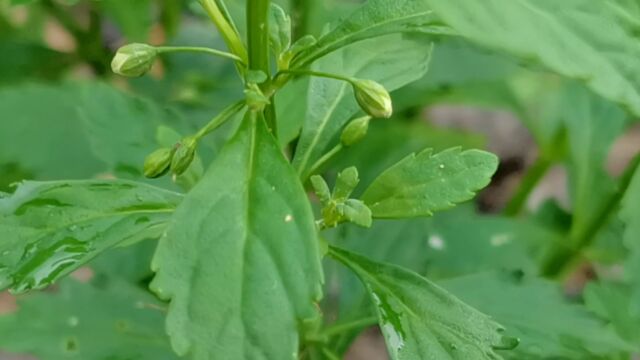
(535, 310)
(48, 229)
(374, 18)
(422, 321)
(424, 183)
(116, 321)
(564, 36)
(331, 104)
(240, 261)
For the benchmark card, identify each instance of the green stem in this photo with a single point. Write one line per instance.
(258, 40)
(194, 49)
(329, 355)
(220, 119)
(324, 159)
(533, 176)
(318, 74)
(561, 256)
(352, 325)
(229, 33)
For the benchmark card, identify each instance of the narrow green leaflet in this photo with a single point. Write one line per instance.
(330, 103)
(592, 126)
(630, 214)
(375, 18)
(535, 310)
(591, 41)
(48, 229)
(424, 183)
(422, 321)
(240, 260)
(79, 321)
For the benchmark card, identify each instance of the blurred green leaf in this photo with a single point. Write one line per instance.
(535, 310)
(49, 229)
(330, 103)
(424, 183)
(614, 303)
(83, 322)
(562, 36)
(30, 60)
(420, 320)
(133, 18)
(84, 128)
(240, 261)
(630, 214)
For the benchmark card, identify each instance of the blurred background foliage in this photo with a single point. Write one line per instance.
(563, 149)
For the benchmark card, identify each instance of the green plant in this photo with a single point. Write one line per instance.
(252, 247)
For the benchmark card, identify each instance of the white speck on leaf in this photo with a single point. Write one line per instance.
(436, 242)
(500, 239)
(288, 218)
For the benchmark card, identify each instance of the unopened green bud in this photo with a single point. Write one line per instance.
(184, 154)
(321, 188)
(355, 131)
(158, 163)
(134, 60)
(373, 98)
(346, 182)
(356, 212)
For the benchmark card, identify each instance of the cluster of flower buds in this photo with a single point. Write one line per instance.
(176, 159)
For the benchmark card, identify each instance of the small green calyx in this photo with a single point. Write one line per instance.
(185, 152)
(256, 100)
(355, 131)
(373, 98)
(134, 60)
(337, 207)
(157, 163)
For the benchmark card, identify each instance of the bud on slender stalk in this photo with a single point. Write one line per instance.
(184, 154)
(157, 163)
(373, 98)
(355, 131)
(134, 60)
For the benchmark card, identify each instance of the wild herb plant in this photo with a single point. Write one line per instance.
(251, 251)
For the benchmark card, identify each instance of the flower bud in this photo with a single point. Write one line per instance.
(134, 60)
(184, 154)
(157, 163)
(355, 131)
(373, 98)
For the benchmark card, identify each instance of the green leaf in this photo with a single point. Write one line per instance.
(536, 311)
(134, 19)
(422, 321)
(84, 322)
(615, 303)
(240, 260)
(30, 60)
(84, 128)
(630, 214)
(373, 19)
(565, 36)
(49, 229)
(424, 183)
(331, 104)
(592, 126)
